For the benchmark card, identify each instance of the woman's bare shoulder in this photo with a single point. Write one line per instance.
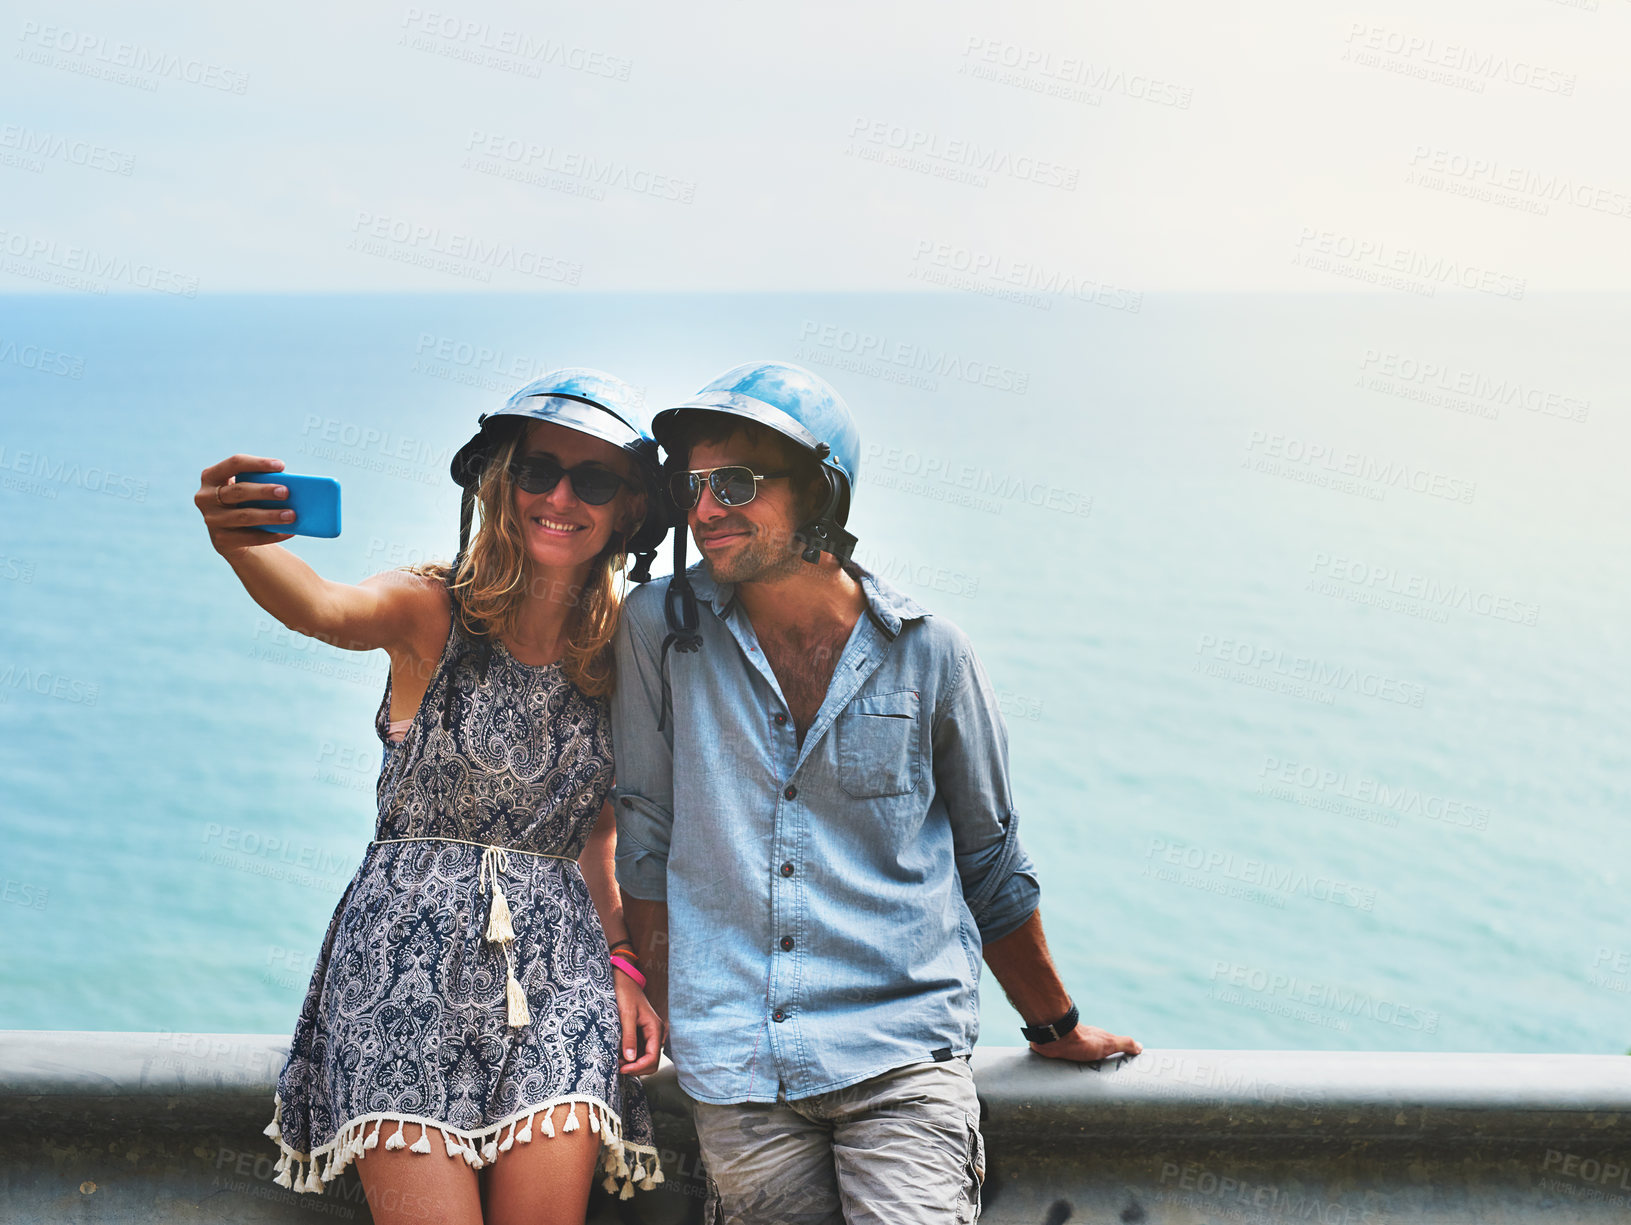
(417, 609)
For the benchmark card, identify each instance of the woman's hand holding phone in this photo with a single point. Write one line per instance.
(232, 525)
(305, 505)
(353, 616)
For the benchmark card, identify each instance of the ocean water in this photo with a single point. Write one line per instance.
(1308, 613)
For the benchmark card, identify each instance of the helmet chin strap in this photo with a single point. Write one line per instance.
(824, 534)
(467, 512)
(680, 611)
(641, 573)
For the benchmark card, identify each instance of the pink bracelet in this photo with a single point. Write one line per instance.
(627, 968)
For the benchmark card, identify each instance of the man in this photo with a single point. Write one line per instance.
(816, 834)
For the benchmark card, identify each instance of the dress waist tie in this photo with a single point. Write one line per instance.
(495, 861)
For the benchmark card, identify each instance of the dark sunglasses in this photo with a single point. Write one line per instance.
(592, 483)
(732, 485)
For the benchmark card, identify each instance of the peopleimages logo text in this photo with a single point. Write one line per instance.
(1069, 70)
(115, 53)
(74, 151)
(1458, 57)
(926, 359)
(968, 154)
(1396, 797)
(479, 254)
(89, 266)
(1374, 256)
(1484, 389)
(1431, 591)
(1390, 472)
(1347, 1000)
(975, 478)
(1308, 669)
(602, 172)
(92, 477)
(1501, 176)
(531, 49)
(1022, 274)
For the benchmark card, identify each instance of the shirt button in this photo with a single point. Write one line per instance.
(791, 791)
(781, 719)
(787, 868)
(787, 944)
(778, 1016)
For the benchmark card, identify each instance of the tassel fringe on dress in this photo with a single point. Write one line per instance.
(478, 1148)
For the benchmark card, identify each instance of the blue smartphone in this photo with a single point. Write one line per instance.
(315, 501)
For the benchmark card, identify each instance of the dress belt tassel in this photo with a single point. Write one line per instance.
(495, 861)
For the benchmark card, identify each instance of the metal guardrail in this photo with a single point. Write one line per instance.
(166, 1127)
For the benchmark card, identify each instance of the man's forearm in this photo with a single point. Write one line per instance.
(1022, 965)
(648, 928)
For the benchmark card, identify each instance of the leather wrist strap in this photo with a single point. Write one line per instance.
(1043, 1034)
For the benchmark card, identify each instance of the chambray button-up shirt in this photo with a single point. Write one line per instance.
(827, 903)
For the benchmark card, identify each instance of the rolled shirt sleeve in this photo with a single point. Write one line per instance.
(971, 771)
(643, 796)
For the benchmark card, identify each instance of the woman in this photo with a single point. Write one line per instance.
(476, 1005)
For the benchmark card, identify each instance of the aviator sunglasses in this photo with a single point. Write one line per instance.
(732, 484)
(592, 483)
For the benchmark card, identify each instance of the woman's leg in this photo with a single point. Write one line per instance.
(408, 1188)
(546, 1182)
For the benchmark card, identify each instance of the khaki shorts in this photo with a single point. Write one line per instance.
(903, 1148)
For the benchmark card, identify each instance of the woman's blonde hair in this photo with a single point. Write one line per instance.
(491, 584)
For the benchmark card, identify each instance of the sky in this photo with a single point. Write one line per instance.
(1095, 147)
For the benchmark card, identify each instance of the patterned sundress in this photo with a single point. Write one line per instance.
(464, 996)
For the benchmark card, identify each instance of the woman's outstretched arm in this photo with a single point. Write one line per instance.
(384, 611)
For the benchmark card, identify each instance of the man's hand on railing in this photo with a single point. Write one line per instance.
(1087, 1043)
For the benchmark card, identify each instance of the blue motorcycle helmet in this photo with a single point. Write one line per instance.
(802, 407)
(591, 402)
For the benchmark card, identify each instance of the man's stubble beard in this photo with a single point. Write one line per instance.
(758, 561)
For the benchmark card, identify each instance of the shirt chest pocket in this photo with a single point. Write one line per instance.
(878, 750)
